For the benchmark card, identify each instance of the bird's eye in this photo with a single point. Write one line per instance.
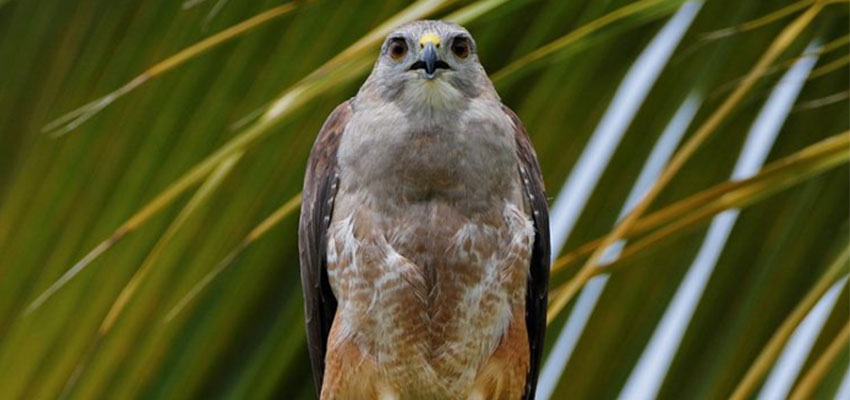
(460, 46)
(398, 48)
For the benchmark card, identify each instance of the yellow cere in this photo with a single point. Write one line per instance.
(429, 38)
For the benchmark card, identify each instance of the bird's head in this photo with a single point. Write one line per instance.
(429, 62)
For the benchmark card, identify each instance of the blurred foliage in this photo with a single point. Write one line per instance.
(192, 176)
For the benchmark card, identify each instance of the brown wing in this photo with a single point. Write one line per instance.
(538, 278)
(320, 186)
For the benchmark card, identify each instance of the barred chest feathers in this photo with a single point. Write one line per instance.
(430, 240)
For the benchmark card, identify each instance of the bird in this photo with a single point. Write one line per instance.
(423, 234)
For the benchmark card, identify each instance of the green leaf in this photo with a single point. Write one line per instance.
(139, 259)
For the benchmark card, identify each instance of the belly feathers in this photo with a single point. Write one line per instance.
(428, 293)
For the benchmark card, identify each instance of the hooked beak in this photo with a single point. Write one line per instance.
(429, 56)
(429, 61)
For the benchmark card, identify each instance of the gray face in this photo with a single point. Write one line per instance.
(425, 59)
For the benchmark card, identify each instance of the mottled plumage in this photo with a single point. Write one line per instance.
(424, 233)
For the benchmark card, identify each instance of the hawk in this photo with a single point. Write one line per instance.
(424, 237)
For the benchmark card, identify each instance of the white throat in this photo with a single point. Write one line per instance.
(437, 94)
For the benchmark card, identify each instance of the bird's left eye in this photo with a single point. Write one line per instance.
(460, 46)
(398, 48)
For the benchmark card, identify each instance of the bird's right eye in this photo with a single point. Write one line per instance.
(398, 48)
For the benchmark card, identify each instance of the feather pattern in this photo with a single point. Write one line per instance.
(424, 238)
(320, 187)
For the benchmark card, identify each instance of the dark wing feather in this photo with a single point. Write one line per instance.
(538, 279)
(320, 186)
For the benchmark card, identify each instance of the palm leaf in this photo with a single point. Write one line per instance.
(148, 252)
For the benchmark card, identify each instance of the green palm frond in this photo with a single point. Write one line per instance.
(147, 239)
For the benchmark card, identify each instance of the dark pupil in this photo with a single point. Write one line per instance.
(397, 48)
(459, 47)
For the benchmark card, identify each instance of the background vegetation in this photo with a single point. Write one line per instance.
(148, 240)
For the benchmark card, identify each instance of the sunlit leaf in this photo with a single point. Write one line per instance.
(184, 275)
(788, 35)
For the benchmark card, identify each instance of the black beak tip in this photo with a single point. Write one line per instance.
(429, 55)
